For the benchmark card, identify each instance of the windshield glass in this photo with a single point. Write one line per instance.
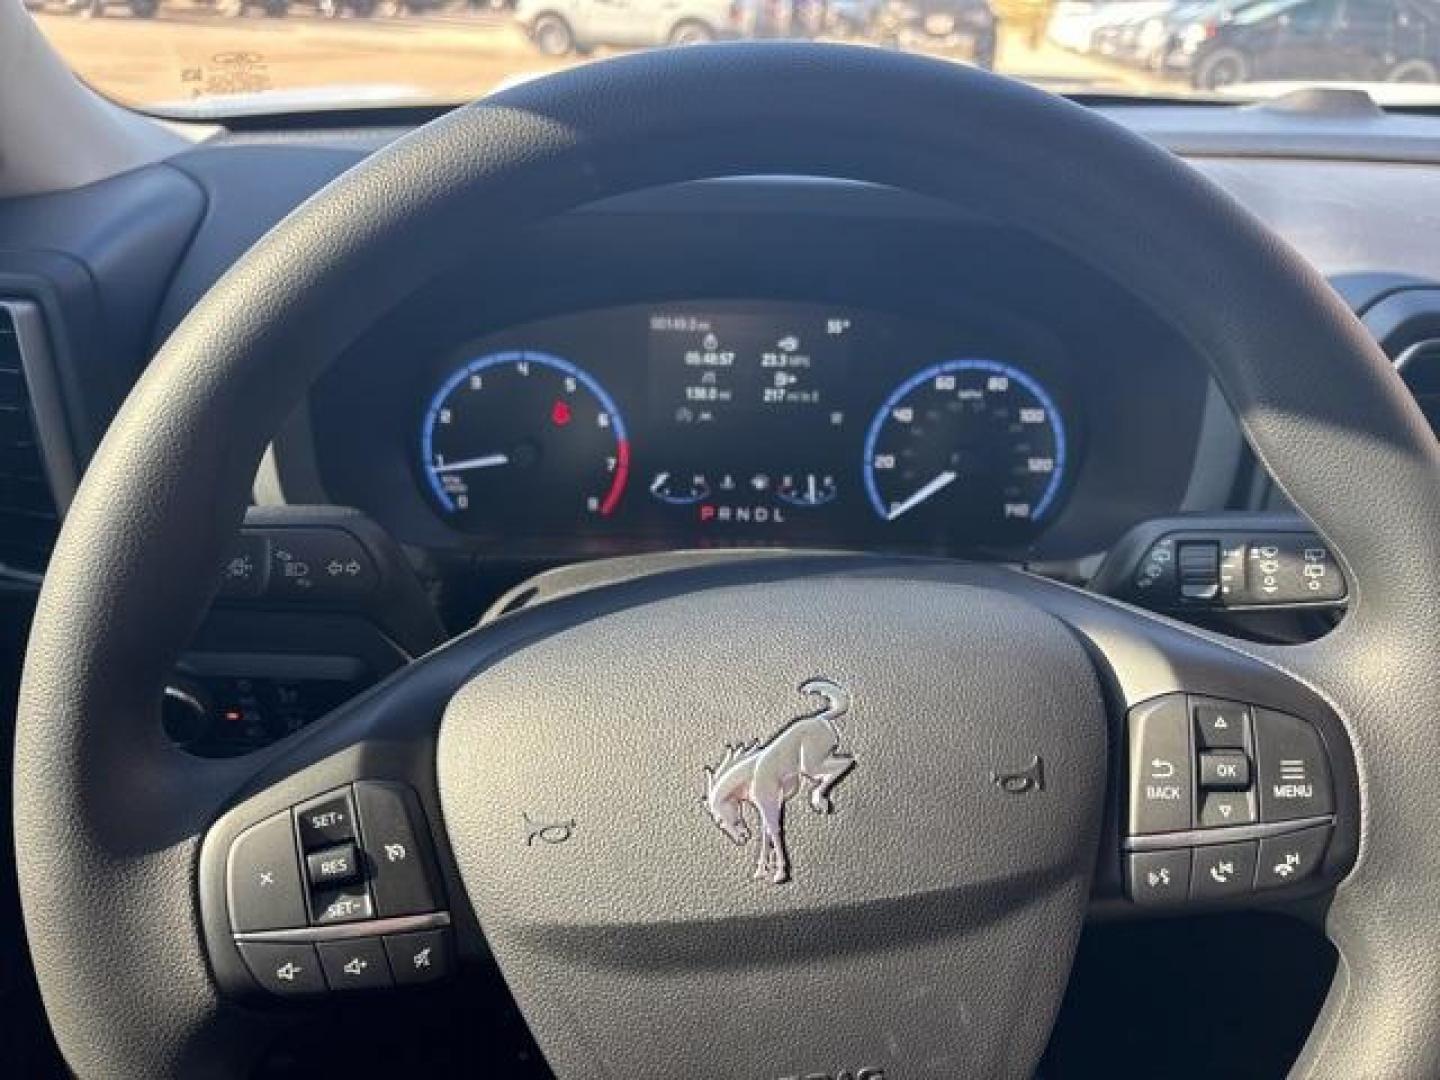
(217, 57)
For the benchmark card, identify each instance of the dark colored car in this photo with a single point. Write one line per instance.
(1353, 40)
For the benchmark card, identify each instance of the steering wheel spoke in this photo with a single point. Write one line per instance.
(332, 874)
(1235, 780)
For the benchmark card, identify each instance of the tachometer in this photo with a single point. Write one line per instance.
(524, 439)
(969, 441)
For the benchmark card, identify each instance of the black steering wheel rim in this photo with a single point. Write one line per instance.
(105, 809)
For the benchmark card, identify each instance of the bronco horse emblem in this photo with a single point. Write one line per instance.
(768, 774)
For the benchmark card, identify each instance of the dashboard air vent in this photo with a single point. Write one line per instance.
(29, 518)
(1419, 366)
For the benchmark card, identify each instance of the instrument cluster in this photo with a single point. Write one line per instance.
(746, 423)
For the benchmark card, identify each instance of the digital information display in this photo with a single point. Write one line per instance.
(749, 411)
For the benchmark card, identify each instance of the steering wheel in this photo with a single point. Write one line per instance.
(968, 726)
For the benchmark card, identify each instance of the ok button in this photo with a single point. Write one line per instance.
(1224, 770)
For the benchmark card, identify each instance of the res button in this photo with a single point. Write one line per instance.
(333, 866)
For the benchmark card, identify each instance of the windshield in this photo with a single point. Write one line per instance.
(216, 57)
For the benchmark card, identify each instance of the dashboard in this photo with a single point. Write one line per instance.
(917, 386)
(751, 418)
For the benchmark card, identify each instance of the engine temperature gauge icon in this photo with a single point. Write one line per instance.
(679, 489)
(806, 489)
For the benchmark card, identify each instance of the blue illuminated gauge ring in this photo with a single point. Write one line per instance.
(611, 498)
(951, 367)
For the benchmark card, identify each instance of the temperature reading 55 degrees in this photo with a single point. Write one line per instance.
(966, 443)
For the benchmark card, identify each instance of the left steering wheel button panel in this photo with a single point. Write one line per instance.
(263, 885)
(288, 969)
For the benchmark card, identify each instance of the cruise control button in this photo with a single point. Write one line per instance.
(333, 866)
(1284, 860)
(326, 821)
(1293, 772)
(348, 903)
(1158, 877)
(1221, 725)
(1224, 770)
(400, 867)
(1162, 786)
(357, 964)
(262, 878)
(1223, 870)
(290, 970)
(421, 957)
(1221, 808)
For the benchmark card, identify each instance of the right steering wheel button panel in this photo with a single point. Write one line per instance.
(1243, 792)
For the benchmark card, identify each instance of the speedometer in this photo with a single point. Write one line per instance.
(524, 440)
(972, 440)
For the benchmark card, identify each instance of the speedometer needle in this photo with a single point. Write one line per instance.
(940, 483)
(489, 461)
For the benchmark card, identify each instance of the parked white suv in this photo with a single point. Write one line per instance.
(560, 27)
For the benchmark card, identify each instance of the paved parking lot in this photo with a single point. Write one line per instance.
(189, 50)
